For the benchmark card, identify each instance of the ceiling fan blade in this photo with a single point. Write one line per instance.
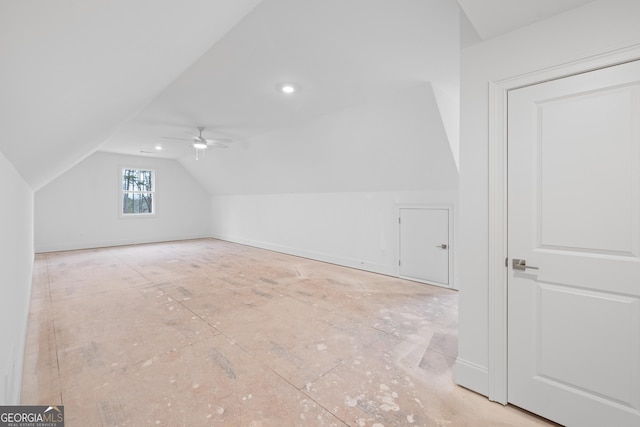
(222, 140)
(179, 139)
(217, 144)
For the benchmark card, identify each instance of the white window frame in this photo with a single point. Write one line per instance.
(122, 192)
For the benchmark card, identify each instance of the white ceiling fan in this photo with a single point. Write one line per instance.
(200, 143)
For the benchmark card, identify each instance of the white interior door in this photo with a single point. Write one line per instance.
(574, 214)
(424, 245)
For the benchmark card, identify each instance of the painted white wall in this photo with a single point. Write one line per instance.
(16, 266)
(358, 230)
(80, 208)
(594, 28)
(329, 189)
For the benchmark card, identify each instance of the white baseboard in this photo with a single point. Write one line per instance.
(72, 246)
(318, 256)
(472, 376)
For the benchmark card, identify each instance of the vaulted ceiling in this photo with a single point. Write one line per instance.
(73, 72)
(339, 54)
(492, 18)
(119, 75)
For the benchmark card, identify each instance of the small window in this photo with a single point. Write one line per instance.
(138, 192)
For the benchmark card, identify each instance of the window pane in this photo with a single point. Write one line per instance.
(134, 203)
(144, 181)
(137, 180)
(129, 177)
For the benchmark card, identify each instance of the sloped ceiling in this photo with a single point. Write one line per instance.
(492, 18)
(118, 75)
(394, 143)
(339, 54)
(72, 72)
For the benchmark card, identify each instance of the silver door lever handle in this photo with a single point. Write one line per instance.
(442, 246)
(521, 264)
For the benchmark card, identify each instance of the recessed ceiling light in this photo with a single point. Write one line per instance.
(288, 88)
(158, 147)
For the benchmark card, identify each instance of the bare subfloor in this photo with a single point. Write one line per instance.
(206, 332)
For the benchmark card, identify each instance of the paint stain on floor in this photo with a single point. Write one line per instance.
(207, 332)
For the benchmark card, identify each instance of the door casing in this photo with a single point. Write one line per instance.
(498, 253)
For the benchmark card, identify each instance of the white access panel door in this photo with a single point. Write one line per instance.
(574, 215)
(424, 245)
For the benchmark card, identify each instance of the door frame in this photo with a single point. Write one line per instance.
(449, 209)
(498, 253)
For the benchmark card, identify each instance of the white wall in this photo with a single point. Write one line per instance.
(597, 27)
(80, 209)
(357, 230)
(16, 266)
(330, 188)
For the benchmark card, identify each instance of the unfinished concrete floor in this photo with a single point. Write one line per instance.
(206, 332)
